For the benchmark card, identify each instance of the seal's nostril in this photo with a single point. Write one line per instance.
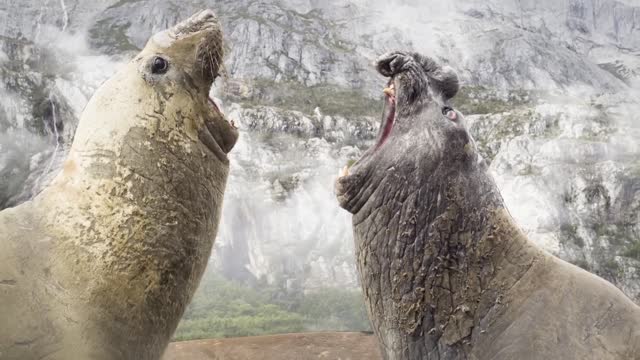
(206, 15)
(203, 21)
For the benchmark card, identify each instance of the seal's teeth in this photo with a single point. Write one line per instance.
(344, 172)
(389, 91)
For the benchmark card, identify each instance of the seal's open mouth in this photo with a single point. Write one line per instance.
(214, 106)
(213, 137)
(386, 126)
(389, 116)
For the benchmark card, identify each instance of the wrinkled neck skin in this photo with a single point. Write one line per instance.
(434, 242)
(135, 210)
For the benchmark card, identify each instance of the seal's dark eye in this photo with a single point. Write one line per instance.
(159, 66)
(449, 113)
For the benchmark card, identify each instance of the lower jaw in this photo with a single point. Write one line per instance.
(207, 135)
(209, 141)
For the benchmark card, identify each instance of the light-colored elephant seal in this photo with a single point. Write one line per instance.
(446, 272)
(102, 263)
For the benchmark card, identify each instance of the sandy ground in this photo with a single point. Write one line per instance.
(304, 346)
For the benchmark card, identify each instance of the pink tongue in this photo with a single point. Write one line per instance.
(386, 131)
(214, 105)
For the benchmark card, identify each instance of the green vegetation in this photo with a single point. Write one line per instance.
(621, 236)
(490, 131)
(501, 126)
(334, 309)
(222, 308)
(530, 170)
(108, 35)
(331, 100)
(122, 3)
(583, 264)
(478, 100)
(570, 232)
(611, 267)
(633, 251)
(593, 136)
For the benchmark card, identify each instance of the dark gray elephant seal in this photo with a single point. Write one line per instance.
(446, 272)
(102, 263)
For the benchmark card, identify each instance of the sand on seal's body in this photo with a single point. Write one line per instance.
(102, 263)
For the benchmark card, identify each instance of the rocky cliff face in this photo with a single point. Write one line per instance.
(550, 93)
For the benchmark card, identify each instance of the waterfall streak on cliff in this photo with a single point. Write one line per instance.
(39, 21)
(65, 16)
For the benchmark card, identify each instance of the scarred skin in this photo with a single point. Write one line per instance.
(102, 264)
(446, 272)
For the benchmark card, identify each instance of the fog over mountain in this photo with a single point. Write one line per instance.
(551, 93)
